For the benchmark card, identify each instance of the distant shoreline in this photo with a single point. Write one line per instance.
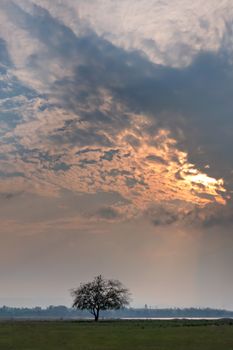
(89, 319)
(64, 313)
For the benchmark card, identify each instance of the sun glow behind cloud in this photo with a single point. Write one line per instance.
(145, 168)
(200, 180)
(102, 125)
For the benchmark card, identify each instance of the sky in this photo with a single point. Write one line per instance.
(116, 132)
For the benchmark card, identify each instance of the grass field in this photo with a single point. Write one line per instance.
(117, 335)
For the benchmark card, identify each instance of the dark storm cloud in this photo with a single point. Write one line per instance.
(36, 209)
(212, 215)
(196, 99)
(96, 65)
(107, 213)
(80, 136)
(194, 102)
(159, 215)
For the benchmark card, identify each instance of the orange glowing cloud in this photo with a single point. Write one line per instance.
(143, 168)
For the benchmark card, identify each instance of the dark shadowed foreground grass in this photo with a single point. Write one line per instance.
(117, 335)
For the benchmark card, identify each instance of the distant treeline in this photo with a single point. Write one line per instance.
(62, 312)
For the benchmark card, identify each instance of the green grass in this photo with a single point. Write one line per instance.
(117, 335)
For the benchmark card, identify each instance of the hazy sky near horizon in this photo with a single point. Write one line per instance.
(116, 135)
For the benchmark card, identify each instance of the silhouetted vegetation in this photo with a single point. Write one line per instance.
(62, 312)
(100, 295)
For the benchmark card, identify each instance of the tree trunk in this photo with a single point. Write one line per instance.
(97, 315)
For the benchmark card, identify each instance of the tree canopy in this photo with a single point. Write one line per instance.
(100, 294)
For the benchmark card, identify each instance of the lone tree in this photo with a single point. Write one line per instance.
(100, 294)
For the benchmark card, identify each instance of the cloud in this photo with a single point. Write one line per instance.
(115, 145)
(107, 214)
(162, 216)
(171, 33)
(112, 120)
(4, 54)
